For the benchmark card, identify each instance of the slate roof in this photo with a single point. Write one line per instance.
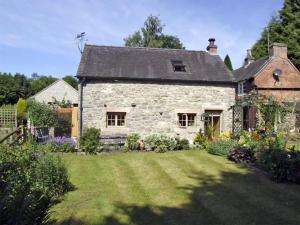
(244, 73)
(107, 62)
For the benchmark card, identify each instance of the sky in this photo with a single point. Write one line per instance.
(38, 36)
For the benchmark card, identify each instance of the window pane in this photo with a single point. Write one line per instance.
(191, 119)
(181, 120)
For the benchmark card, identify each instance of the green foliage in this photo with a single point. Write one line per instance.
(182, 144)
(30, 182)
(63, 103)
(21, 109)
(285, 28)
(151, 35)
(200, 140)
(42, 115)
(13, 87)
(132, 142)
(282, 165)
(221, 148)
(160, 143)
(90, 140)
(228, 63)
(271, 113)
(72, 81)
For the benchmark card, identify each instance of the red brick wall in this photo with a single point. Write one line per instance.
(289, 79)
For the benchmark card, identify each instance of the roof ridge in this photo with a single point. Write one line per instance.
(147, 48)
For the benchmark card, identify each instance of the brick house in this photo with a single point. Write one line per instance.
(274, 75)
(154, 91)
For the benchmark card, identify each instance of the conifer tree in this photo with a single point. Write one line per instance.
(228, 63)
(285, 28)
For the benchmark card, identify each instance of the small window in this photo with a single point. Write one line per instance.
(178, 66)
(186, 119)
(241, 88)
(115, 119)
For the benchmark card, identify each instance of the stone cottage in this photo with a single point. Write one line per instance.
(154, 91)
(273, 75)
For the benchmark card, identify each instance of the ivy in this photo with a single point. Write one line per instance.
(270, 112)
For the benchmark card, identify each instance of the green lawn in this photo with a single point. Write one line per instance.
(183, 188)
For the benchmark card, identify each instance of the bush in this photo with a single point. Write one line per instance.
(225, 136)
(241, 154)
(132, 143)
(281, 164)
(182, 144)
(219, 147)
(90, 141)
(30, 183)
(160, 143)
(200, 140)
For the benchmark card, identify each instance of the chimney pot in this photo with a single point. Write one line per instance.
(212, 48)
(249, 58)
(278, 50)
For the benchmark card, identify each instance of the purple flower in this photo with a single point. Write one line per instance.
(62, 140)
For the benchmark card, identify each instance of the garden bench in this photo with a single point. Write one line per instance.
(116, 139)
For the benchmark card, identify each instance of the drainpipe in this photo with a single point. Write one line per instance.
(81, 84)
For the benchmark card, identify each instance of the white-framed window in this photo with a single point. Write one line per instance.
(115, 119)
(241, 88)
(186, 119)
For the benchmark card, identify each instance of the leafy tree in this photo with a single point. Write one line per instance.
(13, 87)
(284, 27)
(71, 80)
(227, 62)
(151, 35)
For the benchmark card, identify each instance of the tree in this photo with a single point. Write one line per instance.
(284, 27)
(72, 81)
(151, 35)
(228, 63)
(21, 110)
(13, 87)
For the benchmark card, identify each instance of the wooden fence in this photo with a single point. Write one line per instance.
(8, 117)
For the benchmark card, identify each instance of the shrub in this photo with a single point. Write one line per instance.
(41, 115)
(225, 136)
(21, 110)
(219, 147)
(182, 144)
(90, 140)
(30, 183)
(132, 143)
(160, 143)
(241, 154)
(274, 161)
(281, 164)
(200, 140)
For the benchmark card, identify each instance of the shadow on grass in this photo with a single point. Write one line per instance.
(233, 198)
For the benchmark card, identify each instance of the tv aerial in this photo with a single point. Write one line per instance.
(80, 40)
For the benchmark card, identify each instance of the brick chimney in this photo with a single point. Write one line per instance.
(212, 48)
(278, 50)
(249, 58)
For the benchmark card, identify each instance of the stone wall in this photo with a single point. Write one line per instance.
(152, 108)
